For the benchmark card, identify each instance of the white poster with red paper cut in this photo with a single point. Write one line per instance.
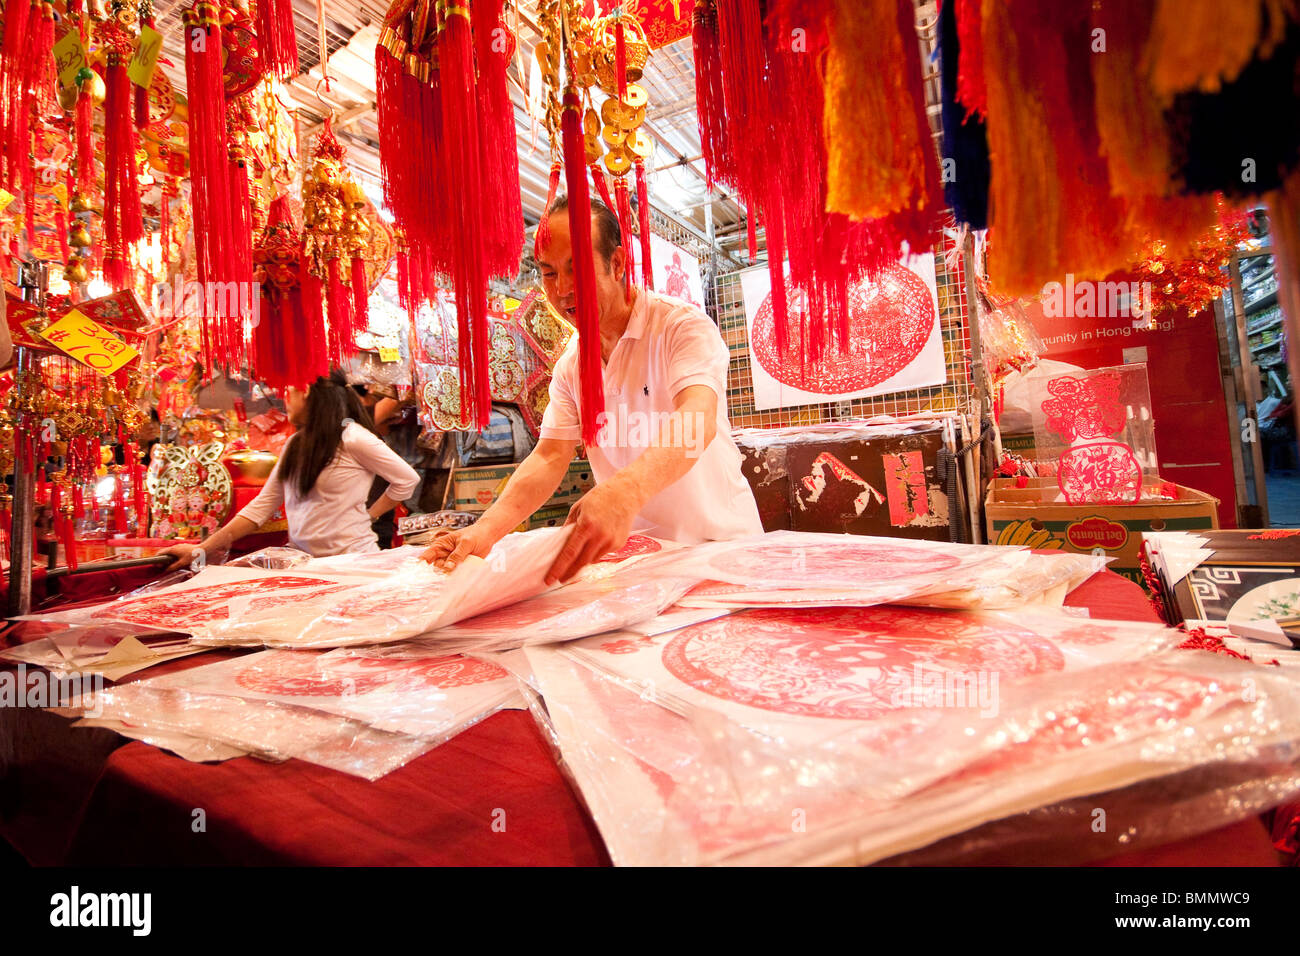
(894, 326)
(676, 272)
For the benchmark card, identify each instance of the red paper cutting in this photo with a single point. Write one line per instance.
(1084, 407)
(849, 663)
(300, 675)
(890, 320)
(812, 565)
(181, 610)
(1100, 472)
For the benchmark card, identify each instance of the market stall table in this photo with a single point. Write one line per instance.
(491, 796)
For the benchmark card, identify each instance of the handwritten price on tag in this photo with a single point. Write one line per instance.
(69, 58)
(390, 355)
(140, 70)
(89, 343)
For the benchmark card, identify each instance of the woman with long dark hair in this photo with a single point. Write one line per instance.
(323, 478)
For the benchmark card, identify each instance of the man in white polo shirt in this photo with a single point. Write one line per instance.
(665, 463)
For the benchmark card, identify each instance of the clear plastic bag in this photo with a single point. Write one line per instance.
(361, 715)
(271, 559)
(672, 781)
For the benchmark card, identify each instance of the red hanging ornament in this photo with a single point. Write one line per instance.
(13, 120)
(210, 187)
(591, 375)
(123, 219)
(277, 40)
(643, 211)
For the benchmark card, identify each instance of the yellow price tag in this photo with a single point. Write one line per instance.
(146, 56)
(390, 355)
(89, 343)
(69, 58)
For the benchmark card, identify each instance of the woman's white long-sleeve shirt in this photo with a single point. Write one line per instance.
(332, 519)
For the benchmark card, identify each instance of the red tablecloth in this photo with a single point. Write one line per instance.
(440, 808)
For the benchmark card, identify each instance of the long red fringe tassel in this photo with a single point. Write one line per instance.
(13, 120)
(277, 40)
(460, 125)
(543, 236)
(643, 213)
(340, 314)
(123, 219)
(710, 108)
(592, 397)
(623, 205)
(214, 222)
(360, 296)
(504, 239)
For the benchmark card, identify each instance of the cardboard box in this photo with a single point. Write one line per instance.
(1030, 516)
(474, 489)
(551, 516)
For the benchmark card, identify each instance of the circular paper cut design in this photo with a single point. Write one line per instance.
(848, 663)
(890, 320)
(830, 565)
(636, 544)
(1099, 472)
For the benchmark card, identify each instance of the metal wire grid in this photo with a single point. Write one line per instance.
(729, 312)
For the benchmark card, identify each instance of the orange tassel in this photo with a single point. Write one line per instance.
(876, 153)
(1202, 44)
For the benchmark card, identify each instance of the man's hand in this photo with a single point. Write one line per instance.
(602, 521)
(450, 549)
(182, 554)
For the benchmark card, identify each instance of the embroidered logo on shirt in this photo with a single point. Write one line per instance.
(645, 389)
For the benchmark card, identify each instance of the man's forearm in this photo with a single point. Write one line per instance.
(529, 488)
(382, 505)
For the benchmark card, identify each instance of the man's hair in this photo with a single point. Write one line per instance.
(607, 236)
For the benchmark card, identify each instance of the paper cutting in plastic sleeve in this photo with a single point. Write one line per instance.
(411, 601)
(866, 570)
(359, 715)
(667, 789)
(802, 672)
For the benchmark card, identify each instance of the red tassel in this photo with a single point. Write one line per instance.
(602, 186)
(277, 40)
(592, 399)
(751, 238)
(504, 238)
(460, 125)
(643, 212)
(340, 314)
(214, 222)
(13, 119)
(360, 295)
(624, 209)
(123, 221)
(543, 237)
(83, 121)
(119, 506)
(710, 110)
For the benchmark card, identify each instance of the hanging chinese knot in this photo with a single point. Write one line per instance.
(451, 171)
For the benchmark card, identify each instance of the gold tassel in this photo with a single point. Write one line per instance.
(1202, 44)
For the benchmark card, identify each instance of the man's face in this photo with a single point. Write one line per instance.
(556, 264)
